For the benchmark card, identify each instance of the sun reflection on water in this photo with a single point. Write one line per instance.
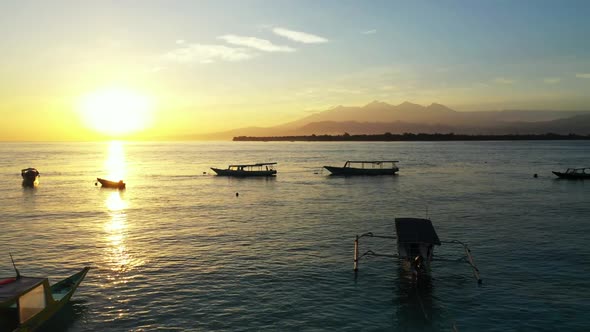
(115, 164)
(117, 229)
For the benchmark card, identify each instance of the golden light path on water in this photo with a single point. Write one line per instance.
(115, 164)
(116, 229)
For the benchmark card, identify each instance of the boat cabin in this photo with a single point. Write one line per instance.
(252, 167)
(415, 237)
(576, 171)
(21, 300)
(364, 164)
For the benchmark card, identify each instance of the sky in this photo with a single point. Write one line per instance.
(72, 70)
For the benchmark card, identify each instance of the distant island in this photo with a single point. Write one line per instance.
(376, 118)
(414, 137)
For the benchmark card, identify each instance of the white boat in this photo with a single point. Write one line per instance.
(365, 167)
(245, 170)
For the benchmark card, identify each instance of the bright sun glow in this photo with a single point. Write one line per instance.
(116, 111)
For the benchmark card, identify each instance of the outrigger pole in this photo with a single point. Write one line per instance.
(14, 265)
(369, 252)
(467, 258)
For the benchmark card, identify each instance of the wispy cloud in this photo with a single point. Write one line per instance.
(503, 80)
(256, 43)
(389, 88)
(551, 80)
(583, 75)
(202, 53)
(369, 32)
(299, 36)
(180, 41)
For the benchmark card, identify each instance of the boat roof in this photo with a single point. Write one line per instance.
(9, 292)
(259, 164)
(373, 161)
(415, 230)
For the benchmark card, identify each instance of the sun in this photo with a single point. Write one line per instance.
(116, 111)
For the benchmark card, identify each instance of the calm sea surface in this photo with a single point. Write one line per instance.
(178, 250)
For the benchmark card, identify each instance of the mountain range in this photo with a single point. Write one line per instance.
(379, 117)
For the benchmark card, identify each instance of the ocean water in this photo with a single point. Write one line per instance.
(178, 250)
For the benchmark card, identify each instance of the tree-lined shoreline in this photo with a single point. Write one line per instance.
(414, 137)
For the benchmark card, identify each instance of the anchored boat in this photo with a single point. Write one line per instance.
(574, 173)
(416, 239)
(111, 184)
(260, 169)
(365, 167)
(30, 177)
(28, 302)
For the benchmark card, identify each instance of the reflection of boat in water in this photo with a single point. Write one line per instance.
(30, 177)
(416, 239)
(260, 169)
(26, 303)
(111, 184)
(375, 167)
(574, 173)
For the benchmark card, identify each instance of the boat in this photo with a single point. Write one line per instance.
(365, 167)
(260, 169)
(30, 177)
(26, 303)
(416, 240)
(111, 184)
(574, 173)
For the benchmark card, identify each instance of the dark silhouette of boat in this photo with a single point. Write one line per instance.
(111, 184)
(365, 167)
(30, 177)
(574, 173)
(26, 303)
(416, 239)
(260, 169)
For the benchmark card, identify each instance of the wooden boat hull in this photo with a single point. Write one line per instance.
(61, 293)
(350, 171)
(574, 176)
(242, 173)
(111, 184)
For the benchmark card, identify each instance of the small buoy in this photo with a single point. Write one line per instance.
(535, 175)
(237, 194)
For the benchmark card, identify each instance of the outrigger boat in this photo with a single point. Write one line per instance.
(574, 173)
(365, 167)
(111, 184)
(30, 177)
(26, 303)
(416, 239)
(260, 169)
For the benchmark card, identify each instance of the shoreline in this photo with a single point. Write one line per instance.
(411, 138)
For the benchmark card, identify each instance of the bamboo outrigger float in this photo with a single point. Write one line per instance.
(416, 239)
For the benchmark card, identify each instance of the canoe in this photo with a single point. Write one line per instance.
(574, 174)
(243, 173)
(111, 184)
(372, 167)
(37, 302)
(245, 170)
